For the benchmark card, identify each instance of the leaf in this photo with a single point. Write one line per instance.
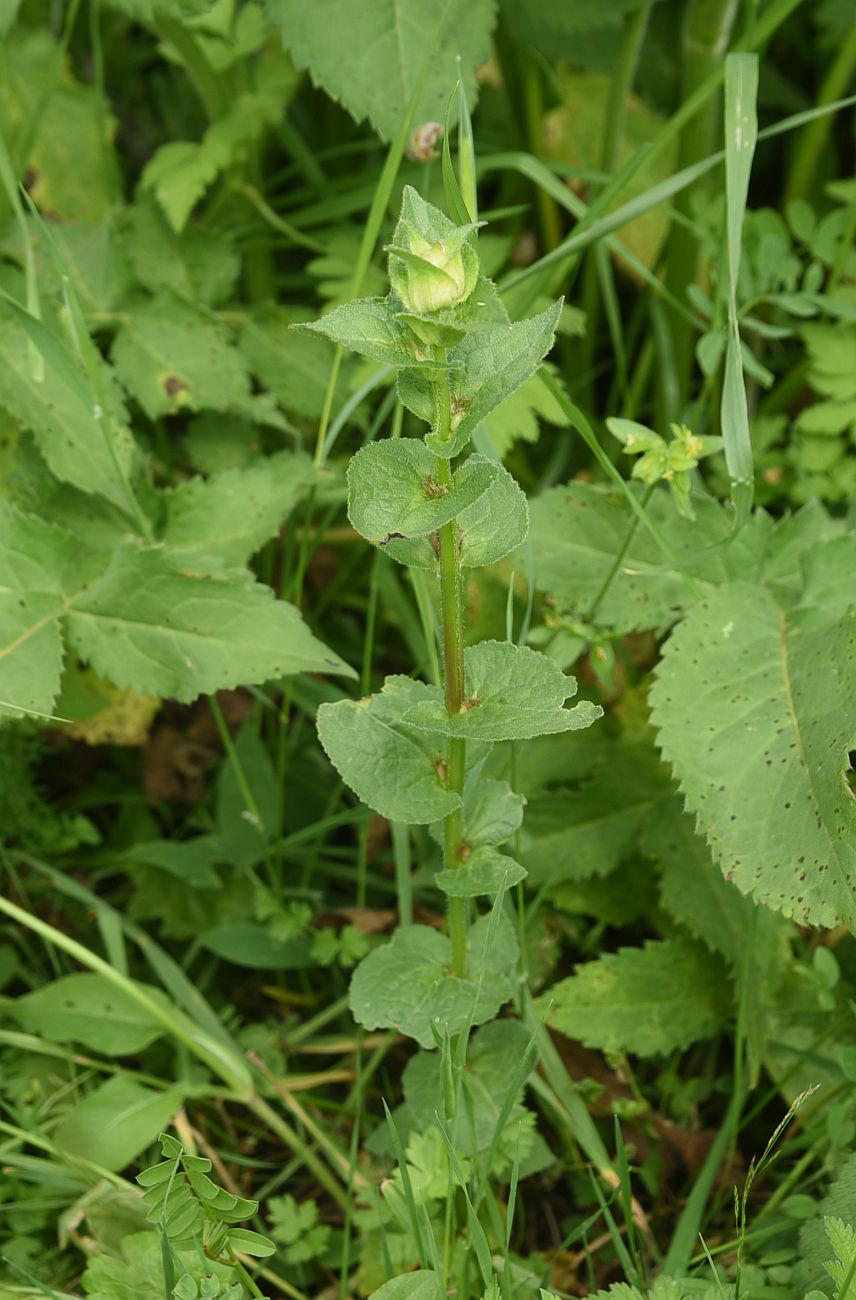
(292, 364)
(150, 625)
(201, 265)
(749, 706)
(246, 944)
(178, 176)
(372, 55)
(60, 411)
(647, 1001)
(232, 514)
(493, 363)
(512, 693)
(391, 767)
(72, 166)
(493, 525)
(492, 812)
(571, 835)
(251, 1243)
(136, 1275)
(172, 357)
(485, 871)
(31, 654)
(422, 1284)
(576, 532)
(90, 1009)
(407, 985)
(392, 490)
(519, 416)
(369, 326)
(112, 1125)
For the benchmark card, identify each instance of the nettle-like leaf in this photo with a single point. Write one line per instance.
(393, 492)
(574, 834)
(750, 704)
(199, 265)
(372, 55)
(512, 693)
(408, 984)
(61, 411)
(231, 515)
(148, 621)
(646, 1001)
(576, 532)
(392, 767)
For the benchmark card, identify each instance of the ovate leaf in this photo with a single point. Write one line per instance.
(646, 1001)
(369, 326)
(88, 1008)
(512, 693)
(751, 708)
(421, 1285)
(112, 1125)
(408, 984)
(392, 491)
(390, 766)
(372, 55)
(493, 363)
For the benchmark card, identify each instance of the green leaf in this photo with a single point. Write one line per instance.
(391, 767)
(519, 416)
(231, 515)
(292, 364)
(829, 574)
(246, 944)
(112, 1125)
(484, 871)
(423, 1284)
(576, 532)
(493, 363)
(407, 985)
(137, 1273)
(369, 326)
(392, 490)
(749, 706)
(172, 357)
(646, 1001)
(60, 411)
(251, 1243)
(178, 175)
(90, 1009)
(495, 524)
(571, 835)
(31, 654)
(201, 265)
(512, 693)
(372, 55)
(150, 625)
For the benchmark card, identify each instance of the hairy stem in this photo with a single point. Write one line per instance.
(453, 660)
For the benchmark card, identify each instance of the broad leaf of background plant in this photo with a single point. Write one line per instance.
(408, 985)
(577, 530)
(647, 1001)
(60, 412)
(74, 173)
(231, 515)
(88, 1008)
(116, 1122)
(372, 54)
(150, 625)
(751, 704)
(199, 265)
(294, 365)
(575, 834)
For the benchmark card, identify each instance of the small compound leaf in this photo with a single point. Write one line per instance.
(392, 491)
(750, 705)
(646, 1001)
(408, 985)
(88, 1008)
(512, 693)
(391, 767)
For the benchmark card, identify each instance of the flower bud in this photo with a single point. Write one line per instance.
(432, 266)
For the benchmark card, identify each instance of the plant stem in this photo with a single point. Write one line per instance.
(453, 660)
(813, 139)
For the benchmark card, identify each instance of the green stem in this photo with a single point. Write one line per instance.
(453, 660)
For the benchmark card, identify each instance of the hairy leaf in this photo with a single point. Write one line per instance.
(512, 693)
(389, 765)
(749, 703)
(372, 55)
(408, 985)
(369, 326)
(646, 1001)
